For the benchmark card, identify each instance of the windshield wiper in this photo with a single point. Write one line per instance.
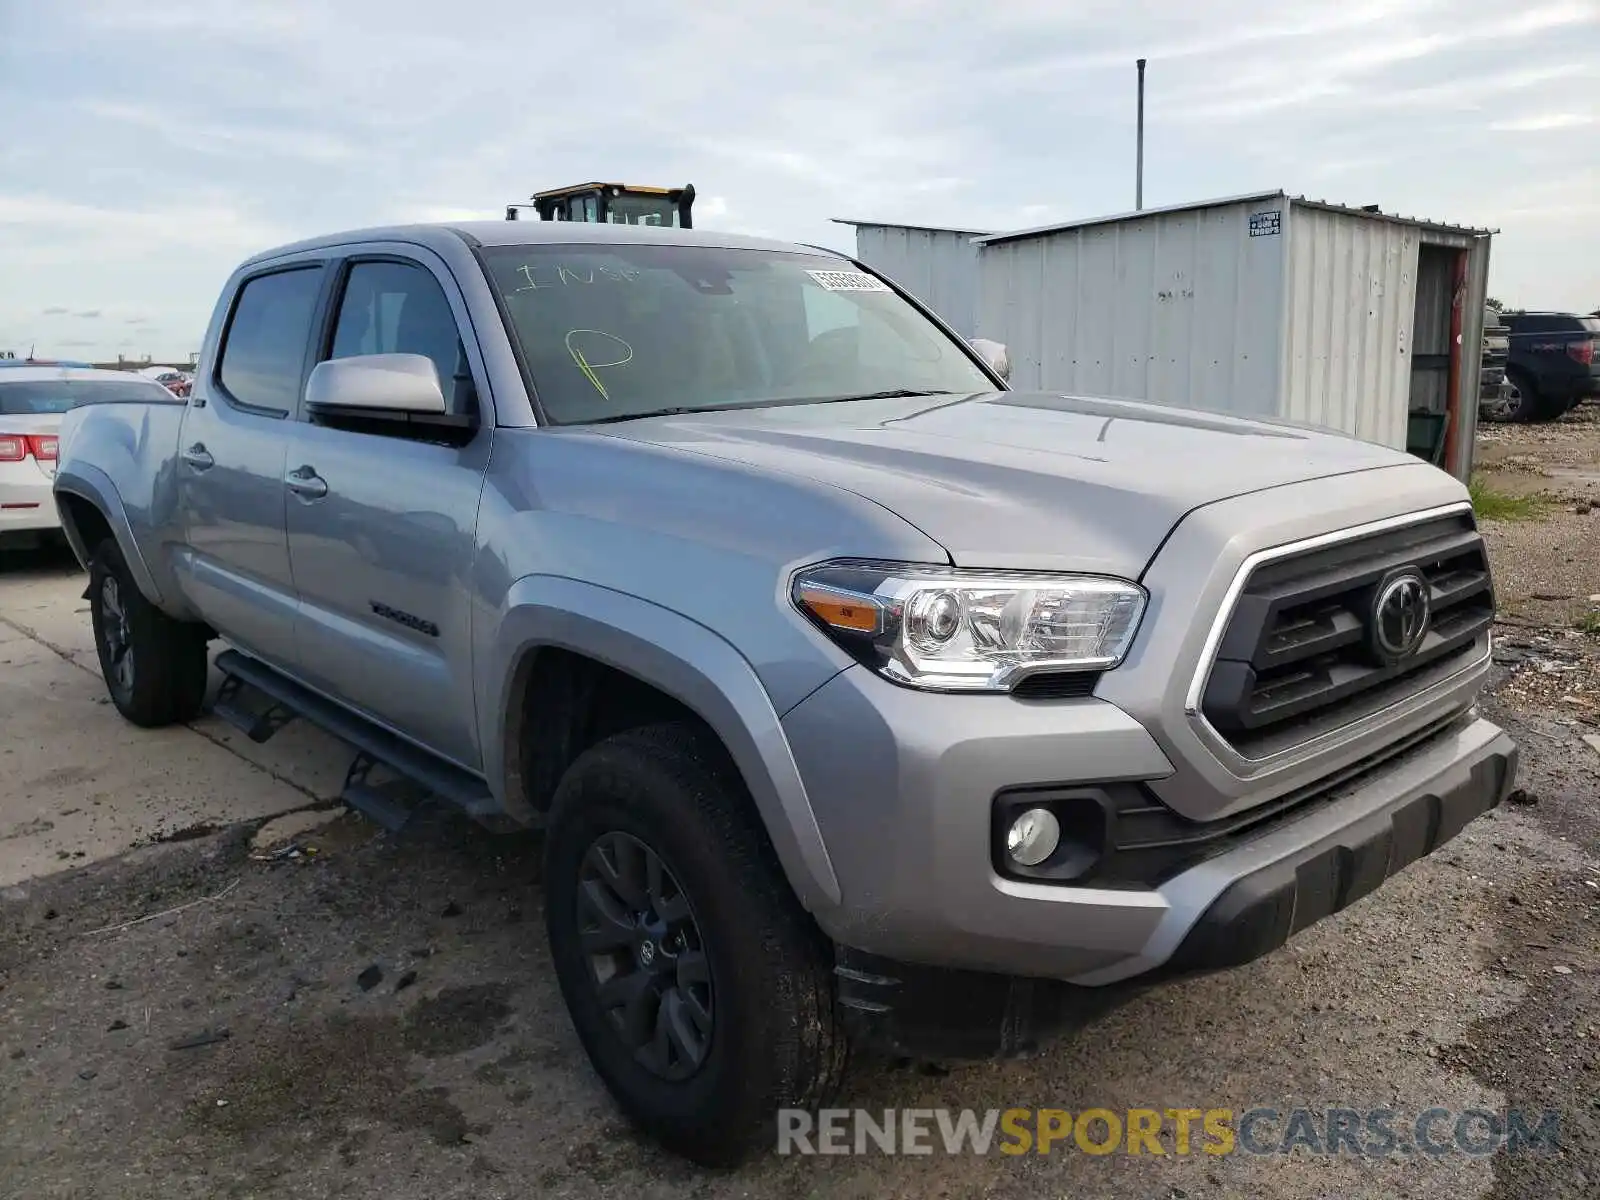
(888, 394)
(784, 402)
(654, 412)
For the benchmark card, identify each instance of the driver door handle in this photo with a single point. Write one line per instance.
(306, 483)
(198, 457)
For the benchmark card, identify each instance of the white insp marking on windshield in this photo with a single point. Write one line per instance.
(849, 281)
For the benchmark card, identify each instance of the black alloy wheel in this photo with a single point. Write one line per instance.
(646, 955)
(116, 638)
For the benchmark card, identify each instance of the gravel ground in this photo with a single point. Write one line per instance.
(1559, 458)
(456, 1073)
(391, 1024)
(1547, 568)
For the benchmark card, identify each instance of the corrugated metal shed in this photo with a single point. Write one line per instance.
(939, 266)
(1166, 306)
(1348, 324)
(1457, 235)
(1264, 304)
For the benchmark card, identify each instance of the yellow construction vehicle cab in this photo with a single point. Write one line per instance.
(613, 204)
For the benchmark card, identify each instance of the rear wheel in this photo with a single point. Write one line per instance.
(700, 989)
(1533, 405)
(154, 666)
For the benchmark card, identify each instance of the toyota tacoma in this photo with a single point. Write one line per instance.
(860, 698)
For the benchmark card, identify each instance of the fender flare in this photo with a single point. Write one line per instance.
(94, 485)
(687, 661)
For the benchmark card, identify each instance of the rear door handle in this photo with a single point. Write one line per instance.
(198, 457)
(306, 483)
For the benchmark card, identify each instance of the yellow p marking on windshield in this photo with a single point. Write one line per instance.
(588, 368)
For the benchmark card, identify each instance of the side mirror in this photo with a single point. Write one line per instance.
(393, 395)
(994, 356)
(384, 384)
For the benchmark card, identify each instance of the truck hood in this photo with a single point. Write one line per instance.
(1023, 479)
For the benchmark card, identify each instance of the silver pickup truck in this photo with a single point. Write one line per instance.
(861, 698)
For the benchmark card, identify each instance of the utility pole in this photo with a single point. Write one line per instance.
(1138, 170)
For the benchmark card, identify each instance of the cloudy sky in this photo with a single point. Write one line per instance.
(149, 144)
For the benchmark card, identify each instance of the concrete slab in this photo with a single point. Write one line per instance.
(78, 783)
(299, 753)
(41, 597)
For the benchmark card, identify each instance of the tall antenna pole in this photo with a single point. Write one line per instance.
(1138, 171)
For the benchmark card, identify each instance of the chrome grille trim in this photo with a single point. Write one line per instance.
(1193, 700)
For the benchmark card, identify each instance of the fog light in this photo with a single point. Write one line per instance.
(1033, 837)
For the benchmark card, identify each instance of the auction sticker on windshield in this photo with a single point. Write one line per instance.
(849, 281)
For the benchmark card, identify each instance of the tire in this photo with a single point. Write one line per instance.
(1498, 408)
(772, 1036)
(154, 666)
(1532, 405)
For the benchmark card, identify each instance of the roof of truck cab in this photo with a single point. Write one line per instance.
(537, 233)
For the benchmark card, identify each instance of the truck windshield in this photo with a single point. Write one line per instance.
(39, 396)
(612, 331)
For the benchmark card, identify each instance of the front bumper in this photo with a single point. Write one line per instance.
(906, 814)
(1261, 911)
(1223, 913)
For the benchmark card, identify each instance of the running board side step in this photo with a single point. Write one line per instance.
(390, 804)
(373, 744)
(257, 726)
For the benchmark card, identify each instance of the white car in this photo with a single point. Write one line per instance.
(32, 400)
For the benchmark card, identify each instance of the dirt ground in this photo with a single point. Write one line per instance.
(194, 1011)
(1547, 563)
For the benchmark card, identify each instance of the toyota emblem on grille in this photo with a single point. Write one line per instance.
(1400, 614)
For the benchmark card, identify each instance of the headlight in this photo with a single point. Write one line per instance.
(955, 630)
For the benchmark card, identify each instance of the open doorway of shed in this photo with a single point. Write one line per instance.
(1436, 353)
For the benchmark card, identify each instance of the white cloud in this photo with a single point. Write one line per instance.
(209, 137)
(1347, 75)
(151, 145)
(1540, 122)
(239, 20)
(444, 214)
(59, 230)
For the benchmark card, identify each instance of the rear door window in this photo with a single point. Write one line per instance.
(264, 352)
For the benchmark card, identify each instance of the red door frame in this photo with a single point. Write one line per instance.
(1453, 402)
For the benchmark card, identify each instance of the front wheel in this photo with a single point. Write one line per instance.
(700, 989)
(153, 665)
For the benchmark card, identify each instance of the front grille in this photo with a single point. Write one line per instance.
(1297, 657)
